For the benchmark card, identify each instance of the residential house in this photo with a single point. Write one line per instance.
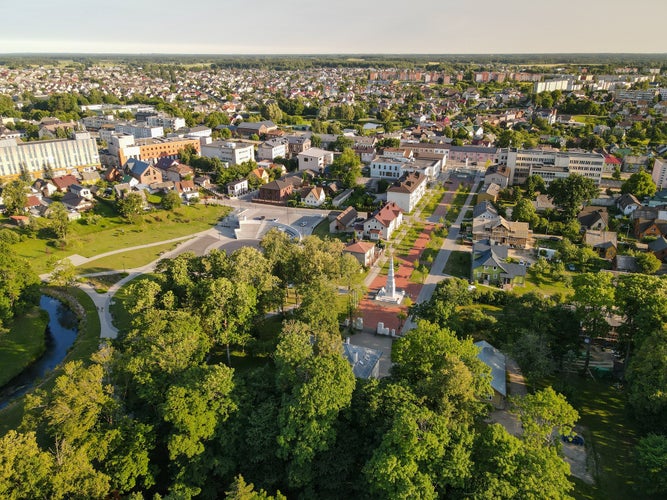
(489, 266)
(382, 223)
(90, 177)
(277, 191)
(408, 192)
(659, 247)
(64, 182)
(344, 221)
(246, 129)
(272, 149)
(365, 361)
(261, 174)
(75, 202)
(173, 170)
(495, 360)
(203, 181)
(484, 210)
(315, 197)
(500, 231)
(143, 172)
(611, 163)
(542, 203)
(297, 144)
(626, 264)
(497, 174)
(628, 203)
(363, 251)
(595, 218)
(82, 191)
(649, 228)
(45, 187)
(315, 159)
(186, 189)
(237, 188)
(605, 243)
(490, 193)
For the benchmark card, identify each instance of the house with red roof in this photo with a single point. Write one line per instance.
(611, 162)
(64, 182)
(363, 251)
(382, 223)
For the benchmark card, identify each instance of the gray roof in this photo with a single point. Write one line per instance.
(495, 360)
(483, 207)
(362, 359)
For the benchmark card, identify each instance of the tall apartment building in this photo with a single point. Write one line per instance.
(170, 122)
(59, 155)
(659, 173)
(233, 153)
(139, 130)
(521, 161)
(151, 150)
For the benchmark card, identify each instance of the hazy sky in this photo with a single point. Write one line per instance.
(338, 26)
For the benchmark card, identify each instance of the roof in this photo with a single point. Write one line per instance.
(64, 181)
(315, 152)
(626, 200)
(347, 216)
(360, 247)
(495, 360)
(601, 239)
(591, 215)
(658, 245)
(362, 359)
(387, 213)
(483, 207)
(410, 184)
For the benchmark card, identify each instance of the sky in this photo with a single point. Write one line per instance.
(336, 27)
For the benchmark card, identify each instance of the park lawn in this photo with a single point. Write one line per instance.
(590, 119)
(127, 260)
(544, 286)
(86, 343)
(431, 202)
(22, 344)
(408, 241)
(458, 264)
(112, 233)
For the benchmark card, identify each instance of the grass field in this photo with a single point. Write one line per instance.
(322, 231)
(23, 344)
(86, 343)
(111, 232)
(457, 203)
(431, 201)
(458, 265)
(126, 260)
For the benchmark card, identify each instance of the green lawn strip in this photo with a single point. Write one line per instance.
(458, 264)
(408, 241)
(102, 283)
(457, 203)
(22, 344)
(544, 286)
(127, 260)
(431, 202)
(86, 343)
(112, 233)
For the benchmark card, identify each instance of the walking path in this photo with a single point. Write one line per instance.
(436, 274)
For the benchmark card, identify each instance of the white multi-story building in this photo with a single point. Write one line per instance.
(61, 155)
(659, 174)
(170, 122)
(407, 193)
(396, 166)
(315, 159)
(567, 84)
(520, 162)
(272, 149)
(233, 153)
(139, 130)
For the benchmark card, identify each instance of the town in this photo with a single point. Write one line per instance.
(316, 251)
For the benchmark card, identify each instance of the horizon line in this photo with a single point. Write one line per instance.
(319, 54)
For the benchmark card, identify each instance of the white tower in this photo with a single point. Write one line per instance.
(391, 284)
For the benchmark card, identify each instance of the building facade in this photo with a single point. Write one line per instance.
(233, 153)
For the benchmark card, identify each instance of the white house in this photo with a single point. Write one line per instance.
(272, 149)
(314, 159)
(407, 193)
(237, 188)
(382, 223)
(315, 197)
(233, 153)
(627, 203)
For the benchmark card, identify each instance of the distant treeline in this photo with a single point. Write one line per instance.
(285, 62)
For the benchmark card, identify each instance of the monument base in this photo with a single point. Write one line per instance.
(396, 298)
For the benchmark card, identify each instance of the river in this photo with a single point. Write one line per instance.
(60, 334)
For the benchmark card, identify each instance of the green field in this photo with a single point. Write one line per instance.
(126, 260)
(111, 232)
(23, 344)
(458, 265)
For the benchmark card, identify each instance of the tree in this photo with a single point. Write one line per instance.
(59, 219)
(648, 263)
(25, 469)
(171, 200)
(542, 412)
(524, 211)
(652, 461)
(131, 205)
(639, 184)
(534, 184)
(14, 197)
(64, 274)
(647, 382)
(347, 167)
(571, 192)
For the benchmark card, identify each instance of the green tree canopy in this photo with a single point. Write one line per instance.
(640, 184)
(571, 192)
